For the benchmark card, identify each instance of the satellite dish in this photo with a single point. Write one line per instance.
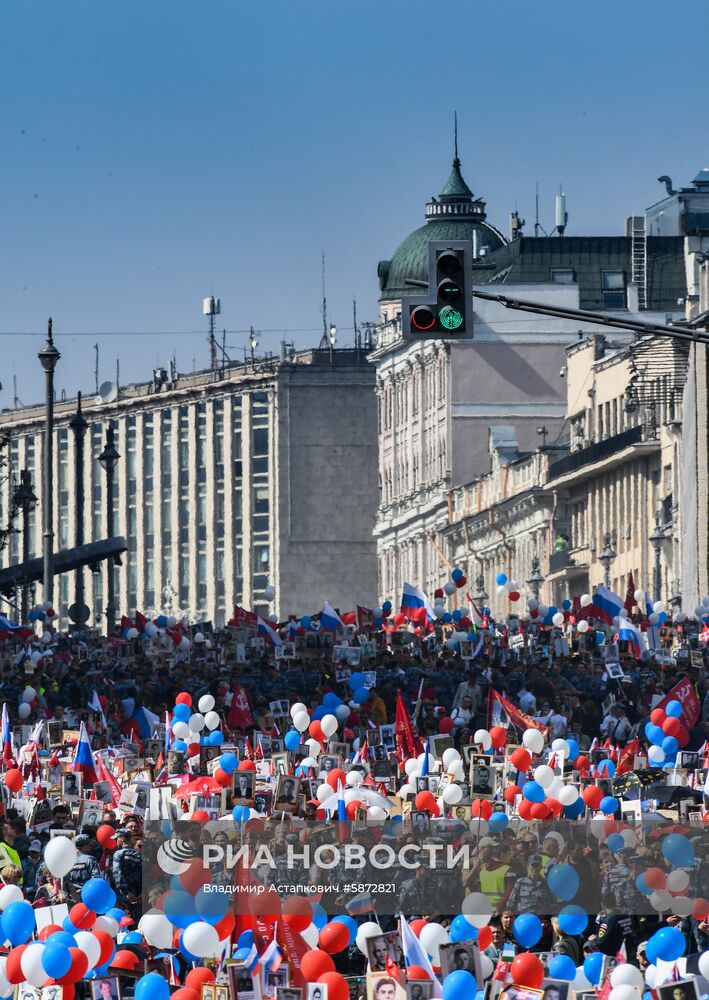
(107, 393)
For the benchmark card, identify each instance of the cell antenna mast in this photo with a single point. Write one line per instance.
(96, 368)
(324, 299)
(211, 307)
(354, 322)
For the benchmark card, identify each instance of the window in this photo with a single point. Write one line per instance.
(613, 286)
(562, 275)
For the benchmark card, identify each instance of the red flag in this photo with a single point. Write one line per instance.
(627, 757)
(243, 618)
(103, 774)
(685, 693)
(239, 711)
(140, 621)
(407, 744)
(516, 716)
(630, 601)
(126, 623)
(365, 617)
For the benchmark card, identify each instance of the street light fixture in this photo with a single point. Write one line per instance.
(24, 498)
(79, 611)
(656, 540)
(536, 579)
(607, 556)
(48, 357)
(108, 458)
(480, 596)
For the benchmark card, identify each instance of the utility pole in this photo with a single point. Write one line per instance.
(48, 356)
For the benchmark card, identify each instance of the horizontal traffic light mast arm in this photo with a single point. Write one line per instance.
(654, 329)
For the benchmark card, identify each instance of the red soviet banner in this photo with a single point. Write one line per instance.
(685, 693)
(497, 704)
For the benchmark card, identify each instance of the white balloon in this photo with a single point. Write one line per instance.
(342, 712)
(704, 964)
(532, 604)
(659, 607)
(533, 740)
(206, 703)
(313, 746)
(627, 975)
(457, 770)
(105, 923)
(376, 814)
(212, 720)
(544, 775)
(171, 621)
(354, 778)
(91, 946)
(655, 754)
(151, 630)
(583, 626)
(630, 838)
(406, 790)
(181, 730)
(432, 936)
(301, 721)
(60, 856)
(10, 894)
(651, 975)
(201, 939)
(324, 791)
(31, 964)
(661, 900)
(156, 929)
(196, 722)
(682, 906)
(298, 707)
(449, 756)
(311, 936)
(477, 909)
(639, 596)
(486, 966)
(366, 930)
(568, 795)
(411, 765)
(653, 618)
(555, 787)
(482, 736)
(308, 762)
(184, 643)
(329, 725)
(581, 983)
(24, 710)
(132, 633)
(5, 985)
(452, 794)
(28, 694)
(558, 619)
(678, 880)
(269, 592)
(561, 747)
(586, 600)
(624, 992)
(449, 588)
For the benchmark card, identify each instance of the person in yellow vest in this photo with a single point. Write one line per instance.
(493, 873)
(8, 854)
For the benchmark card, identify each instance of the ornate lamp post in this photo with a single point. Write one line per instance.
(656, 540)
(536, 579)
(606, 557)
(79, 611)
(48, 356)
(24, 499)
(480, 596)
(108, 458)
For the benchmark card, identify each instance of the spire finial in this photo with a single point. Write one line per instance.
(455, 136)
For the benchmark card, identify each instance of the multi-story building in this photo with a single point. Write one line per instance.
(229, 480)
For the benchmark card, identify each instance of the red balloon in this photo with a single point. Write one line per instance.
(700, 910)
(655, 878)
(417, 972)
(106, 837)
(418, 925)
(351, 810)
(657, 716)
(186, 993)
(196, 977)
(582, 763)
(79, 966)
(525, 809)
(246, 765)
(225, 926)
(334, 937)
(316, 963)
(513, 595)
(315, 730)
(13, 779)
(82, 917)
(481, 807)
(522, 759)
(527, 970)
(671, 727)
(592, 796)
(13, 970)
(461, 582)
(484, 937)
(511, 793)
(47, 930)
(124, 959)
(424, 801)
(498, 735)
(184, 698)
(445, 725)
(555, 806)
(297, 913)
(200, 816)
(196, 876)
(399, 619)
(107, 945)
(539, 810)
(438, 592)
(337, 987)
(222, 778)
(682, 737)
(337, 774)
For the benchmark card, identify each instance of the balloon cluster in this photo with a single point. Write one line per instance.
(666, 734)
(507, 587)
(42, 612)
(194, 729)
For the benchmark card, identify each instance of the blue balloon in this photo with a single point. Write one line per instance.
(56, 959)
(63, 937)
(592, 967)
(675, 847)
(562, 967)
(228, 762)
(132, 937)
(181, 712)
(573, 920)
(98, 895)
(292, 740)
(600, 638)
(674, 710)
(527, 929)
(17, 922)
(242, 954)
(459, 985)
(574, 749)
(361, 695)
(240, 814)
(456, 575)
(533, 791)
(669, 943)
(178, 907)
(566, 605)
(331, 699)
(306, 621)
(615, 843)
(670, 745)
(386, 607)
(501, 579)
(607, 767)
(563, 881)
(210, 906)
(642, 886)
(654, 733)
(457, 615)
(498, 822)
(350, 923)
(447, 618)
(152, 987)
(161, 621)
(216, 738)
(246, 939)
(356, 680)
(461, 930)
(575, 809)
(319, 713)
(609, 805)
(319, 915)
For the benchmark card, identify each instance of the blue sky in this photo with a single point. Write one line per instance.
(155, 152)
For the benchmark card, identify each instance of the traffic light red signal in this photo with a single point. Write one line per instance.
(449, 279)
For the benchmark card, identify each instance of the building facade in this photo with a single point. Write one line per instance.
(259, 473)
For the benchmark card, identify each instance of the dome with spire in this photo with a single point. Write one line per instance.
(454, 215)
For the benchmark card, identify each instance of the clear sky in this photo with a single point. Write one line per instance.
(154, 152)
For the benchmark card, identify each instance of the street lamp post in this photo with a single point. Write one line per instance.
(480, 595)
(656, 539)
(24, 498)
(536, 579)
(48, 356)
(108, 458)
(79, 611)
(606, 557)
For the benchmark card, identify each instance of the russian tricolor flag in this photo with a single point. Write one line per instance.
(272, 958)
(263, 628)
(84, 757)
(6, 734)
(607, 602)
(330, 621)
(412, 598)
(630, 633)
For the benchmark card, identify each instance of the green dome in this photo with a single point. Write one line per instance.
(454, 215)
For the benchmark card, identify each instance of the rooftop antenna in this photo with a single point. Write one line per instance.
(96, 368)
(536, 211)
(562, 216)
(212, 307)
(455, 137)
(354, 322)
(324, 340)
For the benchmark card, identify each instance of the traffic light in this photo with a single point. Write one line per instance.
(446, 311)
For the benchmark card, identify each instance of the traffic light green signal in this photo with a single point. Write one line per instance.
(446, 311)
(450, 318)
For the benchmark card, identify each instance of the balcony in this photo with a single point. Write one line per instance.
(596, 452)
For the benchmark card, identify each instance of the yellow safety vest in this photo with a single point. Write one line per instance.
(492, 882)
